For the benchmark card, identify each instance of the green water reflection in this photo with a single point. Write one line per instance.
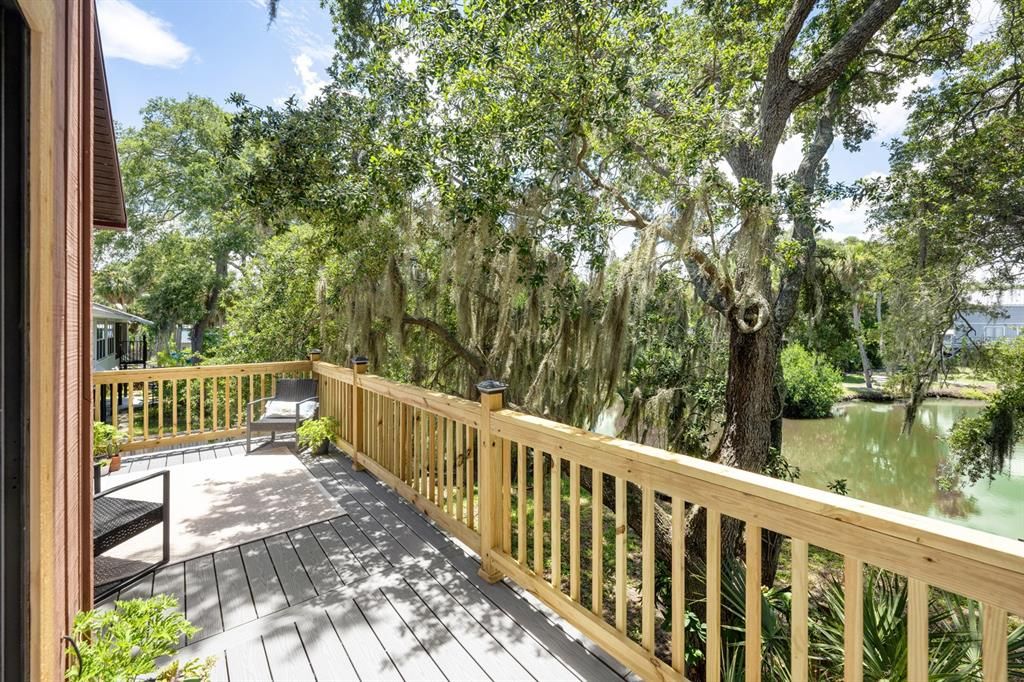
(863, 444)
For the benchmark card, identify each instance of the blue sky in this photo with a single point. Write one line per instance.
(171, 48)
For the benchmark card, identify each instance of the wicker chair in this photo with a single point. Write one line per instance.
(117, 519)
(297, 391)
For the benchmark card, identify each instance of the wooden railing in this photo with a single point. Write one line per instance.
(178, 405)
(489, 475)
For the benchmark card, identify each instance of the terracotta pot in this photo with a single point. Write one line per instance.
(115, 463)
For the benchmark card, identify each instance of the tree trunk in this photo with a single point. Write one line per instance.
(858, 329)
(752, 425)
(212, 301)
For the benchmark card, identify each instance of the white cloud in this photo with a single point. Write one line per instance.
(847, 220)
(312, 82)
(133, 34)
(985, 16)
(788, 155)
(890, 119)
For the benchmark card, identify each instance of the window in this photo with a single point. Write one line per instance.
(994, 331)
(104, 340)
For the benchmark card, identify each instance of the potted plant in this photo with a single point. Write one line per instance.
(317, 434)
(104, 465)
(106, 443)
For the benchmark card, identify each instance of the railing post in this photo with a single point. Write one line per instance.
(314, 355)
(491, 394)
(359, 363)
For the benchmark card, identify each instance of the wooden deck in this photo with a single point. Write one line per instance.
(377, 592)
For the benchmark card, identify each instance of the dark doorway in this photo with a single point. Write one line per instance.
(13, 350)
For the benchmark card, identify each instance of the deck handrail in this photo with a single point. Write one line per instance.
(428, 447)
(179, 405)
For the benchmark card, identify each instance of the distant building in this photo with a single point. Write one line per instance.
(120, 339)
(1003, 318)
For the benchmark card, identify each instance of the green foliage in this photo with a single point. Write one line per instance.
(982, 445)
(812, 385)
(314, 432)
(106, 440)
(120, 644)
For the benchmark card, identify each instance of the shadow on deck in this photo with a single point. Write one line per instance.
(377, 592)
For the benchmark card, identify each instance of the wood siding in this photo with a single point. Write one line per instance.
(61, 216)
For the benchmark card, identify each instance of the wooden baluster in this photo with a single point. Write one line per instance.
(620, 554)
(574, 531)
(522, 523)
(506, 495)
(202, 405)
(917, 629)
(160, 409)
(678, 588)
(752, 614)
(252, 395)
(597, 543)
(798, 618)
(993, 644)
(358, 368)
(215, 401)
(538, 511)
(131, 412)
(97, 399)
(405, 442)
(491, 396)
(647, 569)
(113, 405)
(449, 500)
(853, 620)
(713, 583)
(174, 407)
(188, 406)
(145, 410)
(556, 522)
(460, 467)
(238, 404)
(432, 459)
(471, 436)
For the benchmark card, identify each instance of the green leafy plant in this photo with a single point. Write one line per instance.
(315, 433)
(120, 644)
(812, 385)
(106, 440)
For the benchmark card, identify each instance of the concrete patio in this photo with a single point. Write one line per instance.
(373, 591)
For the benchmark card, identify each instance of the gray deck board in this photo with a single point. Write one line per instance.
(263, 580)
(409, 656)
(367, 554)
(366, 652)
(286, 655)
(247, 660)
(326, 653)
(294, 579)
(444, 649)
(318, 567)
(140, 590)
(344, 562)
(202, 601)
(236, 601)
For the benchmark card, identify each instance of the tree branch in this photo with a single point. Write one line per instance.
(475, 360)
(831, 64)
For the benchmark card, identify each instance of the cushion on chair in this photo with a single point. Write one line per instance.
(285, 408)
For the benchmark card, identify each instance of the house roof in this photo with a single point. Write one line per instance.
(105, 312)
(108, 193)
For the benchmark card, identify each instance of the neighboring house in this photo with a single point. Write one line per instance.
(60, 179)
(1003, 318)
(120, 340)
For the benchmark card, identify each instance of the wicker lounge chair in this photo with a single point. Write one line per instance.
(117, 519)
(294, 402)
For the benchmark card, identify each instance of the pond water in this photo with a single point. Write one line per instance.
(863, 444)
